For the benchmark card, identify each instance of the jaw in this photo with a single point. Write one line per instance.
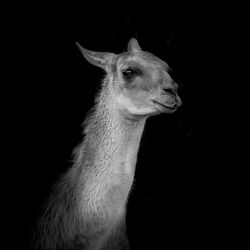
(162, 108)
(156, 106)
(167, 103)
(126, 104)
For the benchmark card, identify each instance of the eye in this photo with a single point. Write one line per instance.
(130, 73)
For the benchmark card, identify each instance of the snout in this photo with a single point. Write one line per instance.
(167, 100)
(171, 96)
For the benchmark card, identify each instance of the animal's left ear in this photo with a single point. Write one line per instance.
(99, 59)
(133, 46)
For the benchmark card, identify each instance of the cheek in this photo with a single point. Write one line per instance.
(155, 75)
(140, 87)
(132, 106)
(143, 84)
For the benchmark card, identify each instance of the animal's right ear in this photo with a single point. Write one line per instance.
(133, 46)
(99, 59)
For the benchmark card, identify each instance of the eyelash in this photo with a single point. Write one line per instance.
(131, 72)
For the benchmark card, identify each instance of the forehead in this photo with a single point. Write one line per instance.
(142, 59)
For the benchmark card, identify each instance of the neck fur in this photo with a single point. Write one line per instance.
(106, 159)
(112, 141)
(90, 199)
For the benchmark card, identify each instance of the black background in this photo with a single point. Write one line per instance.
(191, 182)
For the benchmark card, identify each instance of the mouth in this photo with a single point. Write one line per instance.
(163, 107)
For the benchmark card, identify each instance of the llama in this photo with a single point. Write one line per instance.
(87, 208)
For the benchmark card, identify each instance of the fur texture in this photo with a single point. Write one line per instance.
(88, 203)
(87, 207)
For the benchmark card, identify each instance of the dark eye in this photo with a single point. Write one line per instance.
(129, 73)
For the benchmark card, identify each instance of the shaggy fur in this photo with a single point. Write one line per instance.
(90, 199)
(87, 207)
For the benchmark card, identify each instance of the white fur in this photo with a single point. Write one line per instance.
(125, 102)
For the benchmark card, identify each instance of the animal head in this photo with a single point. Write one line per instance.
(139, 80)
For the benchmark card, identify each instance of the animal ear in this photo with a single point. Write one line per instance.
(133, 46)
(99, 59)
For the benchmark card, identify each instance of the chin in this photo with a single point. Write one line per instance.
(163, 108)
(169, 110)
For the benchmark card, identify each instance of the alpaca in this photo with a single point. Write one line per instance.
(87, 208)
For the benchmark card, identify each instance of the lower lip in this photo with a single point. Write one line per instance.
(167, 107)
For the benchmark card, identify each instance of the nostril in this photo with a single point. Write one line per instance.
(169, 90)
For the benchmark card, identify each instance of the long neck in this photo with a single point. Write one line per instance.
(112, 142)
(89, 201)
